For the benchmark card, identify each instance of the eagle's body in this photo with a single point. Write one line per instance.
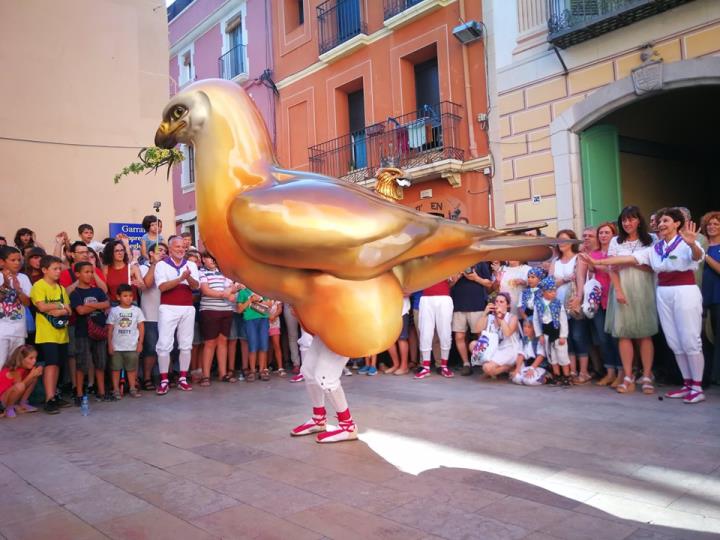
(341, 255)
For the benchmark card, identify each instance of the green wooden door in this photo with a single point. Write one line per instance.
(601, 174)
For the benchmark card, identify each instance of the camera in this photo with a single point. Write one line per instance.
(156, 206)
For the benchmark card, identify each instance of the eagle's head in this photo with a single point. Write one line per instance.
(183, 118)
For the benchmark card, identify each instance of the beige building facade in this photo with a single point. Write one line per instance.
(592, 112)
(83, 87)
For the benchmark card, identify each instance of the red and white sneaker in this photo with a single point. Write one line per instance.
(694, 397)
(315, 425)
(679, 394)
(184, 385)
(346, 431)
(163, 388)
(297, 378)
(422, 374)
(445, 372)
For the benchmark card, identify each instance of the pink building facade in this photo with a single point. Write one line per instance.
(229, 39)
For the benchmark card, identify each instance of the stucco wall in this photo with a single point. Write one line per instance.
(86, 72)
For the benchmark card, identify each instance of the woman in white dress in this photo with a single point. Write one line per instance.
(497, 319)
(674, 258)
(631, 312)
(563, 269)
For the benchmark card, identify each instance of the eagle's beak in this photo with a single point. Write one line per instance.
(165, 136)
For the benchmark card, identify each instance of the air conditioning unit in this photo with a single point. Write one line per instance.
(468, 32)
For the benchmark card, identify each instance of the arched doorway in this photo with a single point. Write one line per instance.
(656, 152)
(622, 145)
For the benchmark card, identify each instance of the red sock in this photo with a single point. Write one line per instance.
(183, 374)
(443, 363)
(344, 416)
(426, 364)
(163, 376)
(319, 411)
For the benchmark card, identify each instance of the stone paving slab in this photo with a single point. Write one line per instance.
(463, 458)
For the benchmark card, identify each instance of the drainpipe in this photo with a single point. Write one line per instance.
(468, 91)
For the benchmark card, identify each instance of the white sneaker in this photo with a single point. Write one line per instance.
(314, 425)
(694, 397)
(347, 372)
(346, 431)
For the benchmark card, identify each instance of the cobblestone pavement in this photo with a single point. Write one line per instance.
(462, 458)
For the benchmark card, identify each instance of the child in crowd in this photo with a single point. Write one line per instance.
(551, 326)
(370, 367)
(126, 333)
(531, 365)
(52, 304)
(150, 238)
(14, 298)
(276, 309)
(17, 380)
(255, 310)
(530, 293)
(89, 303)
(86, 234)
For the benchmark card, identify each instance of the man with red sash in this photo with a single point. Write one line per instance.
(176, 277)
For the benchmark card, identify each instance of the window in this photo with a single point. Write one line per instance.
(233, 61)
(294, 11)
(186, 66)
(187, 168)
(356, 117)
(427, 86)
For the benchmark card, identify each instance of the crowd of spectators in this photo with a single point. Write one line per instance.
(110, 320)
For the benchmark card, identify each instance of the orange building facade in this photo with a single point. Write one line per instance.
(366, 83)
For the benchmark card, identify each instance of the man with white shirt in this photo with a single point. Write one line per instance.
(150, 305)
(176, 278)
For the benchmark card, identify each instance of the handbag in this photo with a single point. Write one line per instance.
(485, 348)
(58, 322)
(96, 332)
(592, 294)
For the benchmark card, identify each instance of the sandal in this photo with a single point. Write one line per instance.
(250, 377)
(228, 378)
(647, 387)
(281, 372)
(135, 393)
(148, 385)
(627, 386)
(265, 375)
(205, 381)
(582, 379)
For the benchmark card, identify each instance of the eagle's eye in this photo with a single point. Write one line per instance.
(177, 112)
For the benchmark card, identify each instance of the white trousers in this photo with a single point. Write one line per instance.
(170, 320)
(680, 312)
(322, 369)
(435, 313)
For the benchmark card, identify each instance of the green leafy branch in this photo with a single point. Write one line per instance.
(151, 159)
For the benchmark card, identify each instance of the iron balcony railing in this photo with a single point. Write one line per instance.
(232, 63)
(338, 21)
(574, 21)
(421, 137)
(393, 7)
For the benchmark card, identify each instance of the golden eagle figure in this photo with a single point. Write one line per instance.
(340, 254)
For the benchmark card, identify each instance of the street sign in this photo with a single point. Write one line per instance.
(134, 232)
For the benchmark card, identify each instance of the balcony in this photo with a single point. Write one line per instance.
(232, 63)
(574, 21)
(338, 22)
(411, 140)
(393, 7)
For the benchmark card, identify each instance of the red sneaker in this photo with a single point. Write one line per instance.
(184, 385)
(297, 378)
(163, 388)
(445, 372)
(678, 394)
(422, 374)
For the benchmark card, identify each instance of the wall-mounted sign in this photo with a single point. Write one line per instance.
(134, 231)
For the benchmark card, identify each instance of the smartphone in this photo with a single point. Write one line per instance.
(469, 270)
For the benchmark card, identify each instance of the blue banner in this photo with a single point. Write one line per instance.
(134, 232)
